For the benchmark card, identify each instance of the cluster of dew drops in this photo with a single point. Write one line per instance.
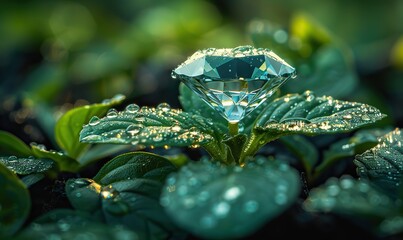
(151, 126)
(226, 203)
(362, 113)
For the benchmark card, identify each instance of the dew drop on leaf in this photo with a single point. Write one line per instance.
(132, 108)
(347, 117)
(221, 209)
(251, 206)
(365, 117)
(112, 113)
(165, 107)
(134, 129)
(94, 121)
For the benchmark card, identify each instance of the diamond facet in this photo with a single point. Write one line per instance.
(234, 81)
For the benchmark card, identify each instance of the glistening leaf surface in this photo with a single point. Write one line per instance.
(25, 166)
(383, 164)
(209, 199)
(350, 197)
(311, 115)
(150, 127)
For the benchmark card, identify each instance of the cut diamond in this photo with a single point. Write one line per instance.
(234, 81)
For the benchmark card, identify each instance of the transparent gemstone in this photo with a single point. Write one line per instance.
(234, 81)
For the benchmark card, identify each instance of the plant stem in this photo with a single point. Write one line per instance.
(233, 128)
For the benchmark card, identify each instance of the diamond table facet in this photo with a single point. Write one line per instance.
(234, 81)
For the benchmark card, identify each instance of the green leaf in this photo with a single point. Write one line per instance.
(349, 147)
(303, 149)
(11, 145)
(135, 165)
(209, 199)
(157, 127)
(14, 201)
(192, 103)
(31, 179)
(126, 192)
(347, 196)
(383, 164)
(64, 162)
(68, 224)
(311, 115)
(25, 166)
(68, 127)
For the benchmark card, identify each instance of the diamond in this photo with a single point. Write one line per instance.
(234, 81)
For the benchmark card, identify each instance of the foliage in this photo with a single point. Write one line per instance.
(298, 159)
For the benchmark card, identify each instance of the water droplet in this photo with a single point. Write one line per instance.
(92, 138)
(333, 190)
(232, 193)
(165, 107)
(108, 192)
(12, 158)
(158, 138)
(203, 196)
(134, 129)
(78, 194)
(346, 183)
(325, 125)
(112, 113)
(189, 202)
(280, 198)
(94, 121)
(132, 108)
(221, 209)
(365, 117)
(251, 206)
(176, 128)
(347, 117)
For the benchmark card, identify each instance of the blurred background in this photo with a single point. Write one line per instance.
(55, 55)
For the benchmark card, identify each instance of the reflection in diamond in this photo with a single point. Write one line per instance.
(234, 81)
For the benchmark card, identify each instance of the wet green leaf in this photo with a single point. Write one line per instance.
(348, 147)
(311, 115)
(135, 165)
(157, 127)
(391, 225)
(209, 199)
(68, 127)
(64, 162)
(126, 191)
(350, 197)
(11, 145)
(303, 149)
(14, 201)
(66, 224)
(25, 166)
(383, 164)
